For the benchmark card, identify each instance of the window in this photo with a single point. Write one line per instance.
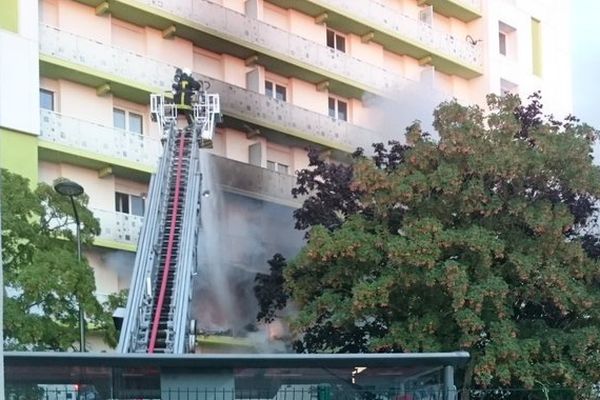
(119, 118)
(282, 168)
(336, 40)
(502, 43)
(507, 40)
(135, 123)
(46, 99)
(338, 109)
(129, 204)
(122, 202)
(127, 121)
(426, 15)
(508, 87)
(278, 167)
(275, 91)
(137, 205)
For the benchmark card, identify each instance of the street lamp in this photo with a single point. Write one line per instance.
(73, 189)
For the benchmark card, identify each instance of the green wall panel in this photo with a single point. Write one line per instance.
(9, 15)
(19, 154)
(536, 50)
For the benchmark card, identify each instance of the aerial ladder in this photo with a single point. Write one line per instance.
(157, 316)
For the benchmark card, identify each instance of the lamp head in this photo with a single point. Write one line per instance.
(68, 188)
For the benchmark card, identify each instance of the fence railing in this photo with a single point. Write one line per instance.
(317, 392)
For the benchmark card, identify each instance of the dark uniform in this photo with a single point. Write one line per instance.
(184, 92)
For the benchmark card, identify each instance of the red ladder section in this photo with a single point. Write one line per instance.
(170, 246)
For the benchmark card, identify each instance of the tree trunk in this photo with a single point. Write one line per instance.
(467, 381)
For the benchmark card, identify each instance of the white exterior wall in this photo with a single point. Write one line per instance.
(19, 73)
(555, 82)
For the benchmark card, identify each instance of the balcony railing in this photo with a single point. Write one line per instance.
(230, 23)
(270, 39)
(236, 101)
(98, 139)
(246, 178)
(476, 4)
(118, 227)
(280, 115)
(404, 26)
(106, 58)
(233, 176)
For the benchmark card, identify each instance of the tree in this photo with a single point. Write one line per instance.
(114, 301)
(472, 241)
(44, 283)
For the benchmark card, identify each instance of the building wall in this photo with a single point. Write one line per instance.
(19, 83)
(517, 66)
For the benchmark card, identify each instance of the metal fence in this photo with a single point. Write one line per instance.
(298, 392)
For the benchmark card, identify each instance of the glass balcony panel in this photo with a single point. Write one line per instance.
(237, 101)
(227, 23)
(125, 228)
(118, 227)
(405, 26)
(98, 139)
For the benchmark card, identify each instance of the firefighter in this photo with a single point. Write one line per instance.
(184, 89)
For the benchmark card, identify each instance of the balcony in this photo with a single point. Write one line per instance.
(253, 181)
(99, 63)
(68, 56)
(405, 27)
(285, 117)
(464, 10)
(118, 230)
(122, 231)
(223, 30)
(397, 32)
(95, 142)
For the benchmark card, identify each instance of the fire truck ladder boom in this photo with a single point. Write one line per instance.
(157, 318)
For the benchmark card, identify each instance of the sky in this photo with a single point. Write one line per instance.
(585, 27)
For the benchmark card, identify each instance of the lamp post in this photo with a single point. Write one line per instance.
(71, 190)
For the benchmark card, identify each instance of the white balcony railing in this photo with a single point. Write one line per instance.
(253, 106)
(232, 175)
(118, 227)
(475, 4)
(105, 58)
(405, 26)
(98, 139)
(270, 39)
(230, 23)
(242, 103)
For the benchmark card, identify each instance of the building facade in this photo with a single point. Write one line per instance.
(76, 75)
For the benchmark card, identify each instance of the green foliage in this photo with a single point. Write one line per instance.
(482, 254)
(44, 282)
(114, 301)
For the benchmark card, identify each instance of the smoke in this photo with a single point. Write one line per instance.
(415, 101)
(121, 262)
(237, 237)
(239, 234)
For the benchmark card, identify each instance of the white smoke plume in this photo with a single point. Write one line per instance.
(238, 236)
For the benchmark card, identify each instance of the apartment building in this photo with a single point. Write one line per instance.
(76, 75)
